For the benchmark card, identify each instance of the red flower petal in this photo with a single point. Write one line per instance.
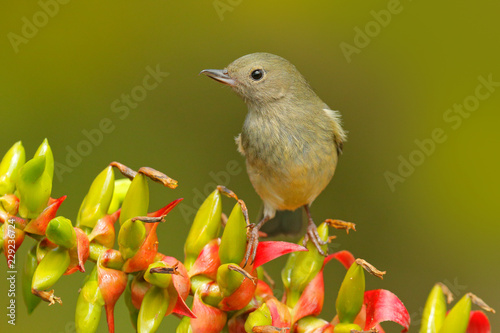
(112, 283)
(344, 257)
(208, 318)
(39, 224)
(104, 230)
(311, 301)
(181, 280)
(182, 284)
(183, 309)
(280, 314)
(383, 305)
(208, 260)
(312, 298)
(239, 298)
(79, 254)
(146, 253)
(267, 251)
(138, 288)
(165, 210)
(263, 290)
(11, 234)
(478, 323)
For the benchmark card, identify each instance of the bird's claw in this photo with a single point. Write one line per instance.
(313, 236)
(253, 242)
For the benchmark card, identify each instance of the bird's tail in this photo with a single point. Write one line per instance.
(285, 222)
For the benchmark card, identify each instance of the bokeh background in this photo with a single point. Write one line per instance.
(440, 224)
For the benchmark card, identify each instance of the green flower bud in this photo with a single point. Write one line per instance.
(96, 203)
(199, 281)
(96, 250)
(12, 161)
(89, 305)
(130, 237)
(34, 186)
(42, 247)
(45, 150)
(51, 268)
(9, 203)
(60, 231)
(184, 326)
(302, 267)
(313, 324)
(136, 202)
(206, 226)
(259, 317)
(161, 280)
(228, 280)
(234, 238)
(434, 311)
(346, 328)
(154, 307)
(133, 312)
(351, 294)
(121, 188)
(212, 296)
(457, 319)
(30, 264)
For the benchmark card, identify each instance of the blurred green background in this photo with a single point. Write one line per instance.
(440, 224)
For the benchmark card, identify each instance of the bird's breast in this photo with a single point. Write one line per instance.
(289, 164)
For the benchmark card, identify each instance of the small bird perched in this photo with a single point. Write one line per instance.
(291, 139)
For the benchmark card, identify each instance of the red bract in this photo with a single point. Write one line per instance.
(4, 216)
(138, 289)
(208, 318)
(478, 323)
(237, 324)
(79, 254)
(165, 210)
(240, 297)
(112, 283)
(311, 301)
(10, 203)
(146, 253)
(149, 248)
(208, 260)
(344, 257)
(267, 251)
(162, 211)
(263, 290)
(104, 230)
(12, 239)
(182, 284)
(383, 305)
(280, 315)
(39, 224)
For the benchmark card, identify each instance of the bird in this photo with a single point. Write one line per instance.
(291, 139)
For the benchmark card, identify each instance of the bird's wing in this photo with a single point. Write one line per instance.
(238, 143)
(339, 135)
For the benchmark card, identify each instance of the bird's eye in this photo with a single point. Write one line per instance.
(257, 74)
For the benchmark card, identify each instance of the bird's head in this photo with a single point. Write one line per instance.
(261, 78)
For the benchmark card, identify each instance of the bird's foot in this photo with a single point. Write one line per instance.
(313, 236)
(252, 243)
(253, 234)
